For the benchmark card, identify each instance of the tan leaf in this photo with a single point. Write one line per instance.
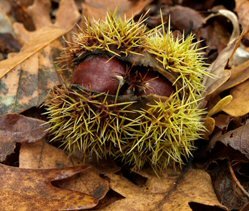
(16, 128)
(165, 193)
(217, 68)
(239, 106)
(95, 9)
(44, 156)
(26, 189)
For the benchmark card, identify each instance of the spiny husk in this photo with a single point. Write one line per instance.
(151, 129)
(115, 36)
(159, 134)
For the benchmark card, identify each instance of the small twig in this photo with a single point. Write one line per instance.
(236, 180)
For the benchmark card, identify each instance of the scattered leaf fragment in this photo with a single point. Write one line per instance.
(23, 189)
(16, 128)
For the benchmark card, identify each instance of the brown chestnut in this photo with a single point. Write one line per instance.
(99, 73)
(156, 84)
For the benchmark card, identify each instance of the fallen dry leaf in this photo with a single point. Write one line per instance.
(95, 9)
(165, 193)
(239, 106)
(238, 139)
(15, 128)
(29, 189)
(44, 156)
(217, 68)
(31, 72)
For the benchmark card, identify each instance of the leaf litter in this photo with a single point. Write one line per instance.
(27, 76)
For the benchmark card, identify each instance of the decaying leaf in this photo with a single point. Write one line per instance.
(217, 68)
(238, 139)
(239, 106)
(29, 189)
(165, 193)
(41, 155)
(31, 72)
(95, 9)
(16, 128)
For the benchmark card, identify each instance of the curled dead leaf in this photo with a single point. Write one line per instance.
(217, 68)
